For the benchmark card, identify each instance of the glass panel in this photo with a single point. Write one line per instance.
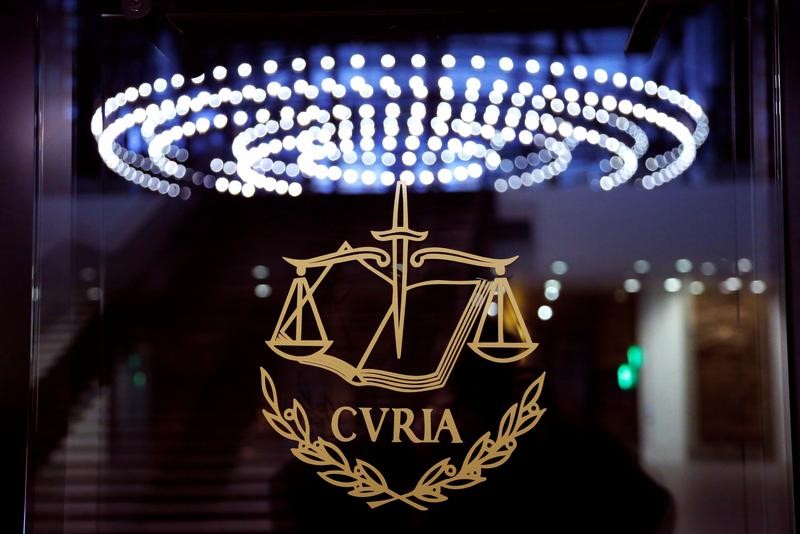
(502, 261)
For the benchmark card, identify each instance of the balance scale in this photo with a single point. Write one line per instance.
(294, 342)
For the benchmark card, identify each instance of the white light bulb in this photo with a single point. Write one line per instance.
(357, 61)
(327, 62)
(672, 285)
(545, 312)
(270, 66)
(298, 64)
(244, 70)
(557, 68)
(219, 72)
(387, 61)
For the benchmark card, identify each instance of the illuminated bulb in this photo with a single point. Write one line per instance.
(632, 285)
(327, 62)
(387, 61)
(221, 184)
(641, 266)
(744, 265)
(244, 70)
(697, 287)
(557, 68)
(532, 66)
(219, 72)
(357, 61)
(240, 118)
(270, 66)
(683, 265)
(559, 267)
(220, 120)
(202, 125)
(551, 293)
(733, 283)
(418, 61)
(448, 61)
(368, 177)
(758, 287)
(600, 76)
(545, 312)
(294, 189)
(477, 62)
(708, 268)
(672, 285)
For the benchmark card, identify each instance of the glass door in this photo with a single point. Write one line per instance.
(408, 267)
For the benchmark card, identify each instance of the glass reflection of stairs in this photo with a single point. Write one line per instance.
(300, 334)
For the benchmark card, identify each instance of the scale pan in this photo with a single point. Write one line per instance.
(502, 352)
(297, 350)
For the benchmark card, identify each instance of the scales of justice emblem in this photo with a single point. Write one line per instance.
(300, 336)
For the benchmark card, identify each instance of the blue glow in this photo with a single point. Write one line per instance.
(473, 113)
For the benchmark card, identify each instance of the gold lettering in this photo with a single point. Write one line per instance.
(426, 425)
(335, 424)
(404, 425)
(373, 430)
(448, 423)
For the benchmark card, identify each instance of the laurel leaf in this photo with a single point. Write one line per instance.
(366, 481)
(496, 459)
(476, 451)
(301, 420)
(365, 492)
(530, 421)
(335, 453)
(531, 394)
(280, 426)
(433, 474)
(309, 456)
(268, 389)
(430, 496)
(507, 422)
(371, 472)
(462, 482)
(340, 478)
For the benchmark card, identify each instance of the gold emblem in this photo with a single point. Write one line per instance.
(300, 336)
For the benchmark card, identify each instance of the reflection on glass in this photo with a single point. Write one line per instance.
(648, 269)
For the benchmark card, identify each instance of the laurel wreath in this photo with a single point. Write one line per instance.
(365, 481)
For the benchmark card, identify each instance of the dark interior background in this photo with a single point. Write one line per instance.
(161, 323)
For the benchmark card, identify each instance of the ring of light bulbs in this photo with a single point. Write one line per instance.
(425, 122)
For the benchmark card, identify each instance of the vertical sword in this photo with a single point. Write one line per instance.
(399, 235)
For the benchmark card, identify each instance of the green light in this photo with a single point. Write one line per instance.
(626, 377)
(139, 379)
(635, 356)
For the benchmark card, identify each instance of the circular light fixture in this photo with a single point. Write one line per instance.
(507, 123)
